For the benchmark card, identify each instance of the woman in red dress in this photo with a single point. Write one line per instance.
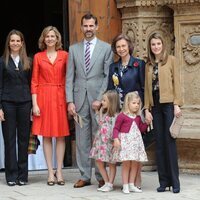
(48, 97)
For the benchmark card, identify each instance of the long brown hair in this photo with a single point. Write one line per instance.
(113, 105)
(25, 60)
(164, 53)
(41, 44)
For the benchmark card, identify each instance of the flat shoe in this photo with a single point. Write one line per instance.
(81, 183)
(101, 183)
(11, 183)
(21, 183)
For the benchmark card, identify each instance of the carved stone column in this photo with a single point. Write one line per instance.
(142, 18)
(187, 49)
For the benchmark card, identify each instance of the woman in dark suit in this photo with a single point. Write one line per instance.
(15, 107)
(126, 75)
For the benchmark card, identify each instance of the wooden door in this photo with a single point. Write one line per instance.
(109, 18)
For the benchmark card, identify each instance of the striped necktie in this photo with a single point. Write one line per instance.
(87, 56)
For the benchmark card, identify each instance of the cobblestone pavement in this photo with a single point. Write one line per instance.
(37, 189)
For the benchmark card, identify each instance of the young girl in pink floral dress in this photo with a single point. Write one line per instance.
(128, 144)
(103, 143)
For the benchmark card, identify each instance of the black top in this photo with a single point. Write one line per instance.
(14, 84)
(155, 80)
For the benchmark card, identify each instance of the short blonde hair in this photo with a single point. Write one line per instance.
(41, 44)
(128, 98)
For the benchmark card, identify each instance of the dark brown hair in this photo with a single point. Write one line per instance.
(25, 60)
(89, 16)
(120, 37)
(150, 54)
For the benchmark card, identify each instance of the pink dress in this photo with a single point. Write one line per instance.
(103, 143)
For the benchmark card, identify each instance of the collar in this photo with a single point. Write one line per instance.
(93, 41)
(15, 59)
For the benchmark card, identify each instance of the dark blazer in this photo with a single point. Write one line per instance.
(14, 84)
(132, 79)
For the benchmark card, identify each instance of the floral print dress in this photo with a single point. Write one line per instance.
(103, 143)
(132, 146)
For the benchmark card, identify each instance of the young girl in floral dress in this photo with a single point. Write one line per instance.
(103, 144)
(128, 144)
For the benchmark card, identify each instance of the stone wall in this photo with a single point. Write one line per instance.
(179, 22)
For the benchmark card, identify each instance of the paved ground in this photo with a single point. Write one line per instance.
(37, 189)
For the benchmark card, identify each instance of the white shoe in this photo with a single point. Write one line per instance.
(101, 188)
(125, 189)
(132, 188)
(107, 188)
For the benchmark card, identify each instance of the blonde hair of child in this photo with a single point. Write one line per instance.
(128, 98)
(113, 103)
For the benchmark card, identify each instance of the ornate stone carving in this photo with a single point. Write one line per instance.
(142, 3)
(141, 18)
(139, 35)
(130, 28)
(191, 48)
(164, 28)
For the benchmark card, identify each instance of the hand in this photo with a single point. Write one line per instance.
(36, 110)
(148, 117)
(72, 109)
(177, 111)
(96, 105)
(116, 144)
(2, 115)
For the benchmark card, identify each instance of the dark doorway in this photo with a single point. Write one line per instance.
(31, 17)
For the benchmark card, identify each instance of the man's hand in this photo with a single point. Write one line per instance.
(96, 105)
(71, 109)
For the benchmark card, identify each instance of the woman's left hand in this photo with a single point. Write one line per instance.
(177, 111)
(2, 115)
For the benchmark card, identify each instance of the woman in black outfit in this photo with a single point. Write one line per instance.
(15, 107)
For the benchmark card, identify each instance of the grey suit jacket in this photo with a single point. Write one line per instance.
(94, 82)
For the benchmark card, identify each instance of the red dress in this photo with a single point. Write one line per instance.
(48, 82)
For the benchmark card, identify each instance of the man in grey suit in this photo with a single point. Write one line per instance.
(86, 81)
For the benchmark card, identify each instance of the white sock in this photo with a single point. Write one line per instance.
(125, 187)
(110, 184)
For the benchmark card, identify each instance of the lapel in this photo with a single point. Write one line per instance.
(80, 54)
(11, 63)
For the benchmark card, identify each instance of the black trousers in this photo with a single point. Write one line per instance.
(166, 152)
(16, 126)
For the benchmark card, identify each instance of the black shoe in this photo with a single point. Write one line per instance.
(11, 183)
(21, 183)
(162, 189)
(176, 190)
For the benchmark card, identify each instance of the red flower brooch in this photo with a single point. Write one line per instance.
(135, 64)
